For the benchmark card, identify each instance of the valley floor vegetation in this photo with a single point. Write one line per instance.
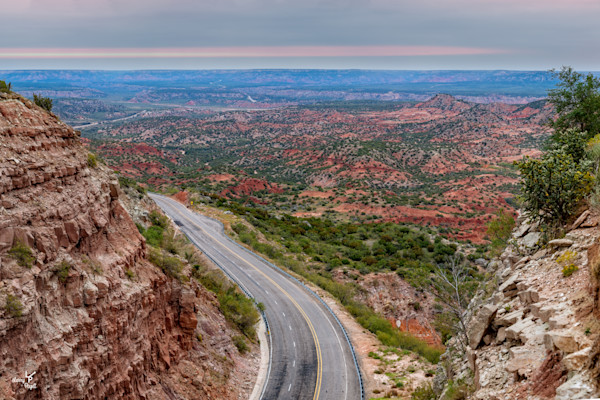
(319, 249)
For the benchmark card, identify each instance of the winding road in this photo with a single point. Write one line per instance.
(310, 356)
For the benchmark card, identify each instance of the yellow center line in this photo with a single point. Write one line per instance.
(300, 309)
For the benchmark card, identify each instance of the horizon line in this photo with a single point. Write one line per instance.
(245, 52)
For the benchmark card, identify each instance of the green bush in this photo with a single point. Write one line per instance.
(240, 343)
(458, 390)
(170, 265)
(13, 306)
(553, 186)
(92, 161)
(62, 271)
(125, 182)
(500, 228)
(154, 235)
(240, 310)
(577, 101)
(5, 87)
(569, 270)
(43, 102)
(130, 274)
(22, 253)
(158, 219)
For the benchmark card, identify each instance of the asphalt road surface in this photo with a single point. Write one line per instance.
(310, 357)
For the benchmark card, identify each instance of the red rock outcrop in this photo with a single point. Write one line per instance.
(91, 316)
(405, 307)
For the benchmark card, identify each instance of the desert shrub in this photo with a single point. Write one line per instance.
(170, 265)
(211, 280)
(13, 306)
(92, 161)
(125, 182)
(22, 254)
(239, 228)
(154, 235)
(5, 87)
(569, 141)
(62, 270)
(130, 274)
(43, 102)
(569, 270)
(553, 186)
(567, 257)
(458, 390)
(158, 219)
(499, 228)
(239, 309)
(93, 265)
(240, 343)
(424, 392)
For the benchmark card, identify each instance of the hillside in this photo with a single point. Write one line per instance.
(81, 305)
(534, 332)
(443, 162)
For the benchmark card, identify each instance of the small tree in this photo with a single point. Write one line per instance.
(453, 286)
(13, 306)
(4, 87)
(44, 102)
(499, 228)
(577, 101)
(552, 187)
(570, 141)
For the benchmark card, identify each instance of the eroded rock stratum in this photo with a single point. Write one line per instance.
(73, 314)
(534, 331)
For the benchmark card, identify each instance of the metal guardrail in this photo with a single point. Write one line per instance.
(244, 290)
(360, 379)
(310, 291)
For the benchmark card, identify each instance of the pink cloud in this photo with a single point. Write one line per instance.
(250, 51)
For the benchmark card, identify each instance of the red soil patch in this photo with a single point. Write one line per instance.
(249, 186)
(182, 197)
(221, 177)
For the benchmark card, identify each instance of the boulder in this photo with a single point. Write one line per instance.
(90, 293)
(508, 319)
(521, 230)
(559, 321)
(509, 286)
(580, 386)
(529, 296)
(561, 243)
(524, 360)
(531, 239)
(562, 340)
(580, 220)
(578, 360)
(480, 323)
(501, 336)
(72, 230)
(516, 330)
(114, 189)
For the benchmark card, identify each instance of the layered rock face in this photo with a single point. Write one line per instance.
(88, 313)
(537, 335)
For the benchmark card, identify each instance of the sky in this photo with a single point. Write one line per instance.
(366, 34)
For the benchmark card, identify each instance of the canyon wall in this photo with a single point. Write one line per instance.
(534, 331)
(80, 305)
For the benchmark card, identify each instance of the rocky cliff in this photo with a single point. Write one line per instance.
(80, 305)
(534, 329)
